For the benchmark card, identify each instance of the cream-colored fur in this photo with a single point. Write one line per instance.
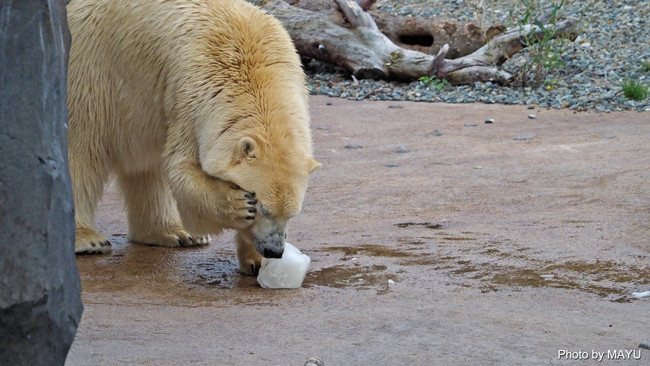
(200, 110)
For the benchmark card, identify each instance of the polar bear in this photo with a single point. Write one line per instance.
(199, 109)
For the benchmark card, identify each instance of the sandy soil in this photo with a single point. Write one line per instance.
(507, 242)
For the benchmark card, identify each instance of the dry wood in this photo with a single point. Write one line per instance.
(366, 4)
(350, 38)
(426, 35)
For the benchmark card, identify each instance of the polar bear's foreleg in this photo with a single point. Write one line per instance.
(209, 204)
(250, 261)
(152, 214)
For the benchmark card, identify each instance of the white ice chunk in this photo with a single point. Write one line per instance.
(286, 272)
(641, 294)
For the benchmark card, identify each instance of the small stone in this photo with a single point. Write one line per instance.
(314, 361)
(531, 107)
(489, 120)
(391, 282)
(478, 167)
(436, 133)
(328, 103)
(607, 137)
(522, 138)
(402, 149)
(323, 128)
(391, 165)
(532, 116)
(470, 124)
(396, 106)
(353, 147)
(645, 345)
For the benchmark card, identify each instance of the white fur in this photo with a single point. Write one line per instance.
(162, 94)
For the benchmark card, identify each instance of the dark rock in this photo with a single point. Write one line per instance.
(436, 133)
(645, 345)
(489, 120)
(40, 292)
(353, 147)
(396, 106)
(391, 165)
(323, 128)
(329, 103)
(522, 138)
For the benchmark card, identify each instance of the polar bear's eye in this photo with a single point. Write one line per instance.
(265, 211)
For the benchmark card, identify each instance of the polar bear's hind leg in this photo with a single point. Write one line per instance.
(88, 178)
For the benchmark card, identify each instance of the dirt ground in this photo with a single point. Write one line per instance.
(507, 243)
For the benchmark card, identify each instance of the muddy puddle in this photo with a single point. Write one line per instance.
(480, 262)
(467, 259)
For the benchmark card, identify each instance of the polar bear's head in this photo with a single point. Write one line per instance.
(278, 176)
(274, 160)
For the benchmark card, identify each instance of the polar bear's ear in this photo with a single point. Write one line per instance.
(313, 166)
(247, 148)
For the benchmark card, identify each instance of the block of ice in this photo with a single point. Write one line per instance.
(286, 272)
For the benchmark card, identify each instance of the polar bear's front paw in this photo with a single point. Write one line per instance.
(250, 266)
(250, 261)
(242, 208)
(89, 241)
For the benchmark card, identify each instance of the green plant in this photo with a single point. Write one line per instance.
(634, 90)
(543, 54)
(438, 84)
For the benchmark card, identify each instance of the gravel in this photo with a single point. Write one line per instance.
(613, 46)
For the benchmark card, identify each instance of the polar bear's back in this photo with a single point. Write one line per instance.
(136, 64)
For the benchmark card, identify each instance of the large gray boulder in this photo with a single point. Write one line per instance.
(40, 303)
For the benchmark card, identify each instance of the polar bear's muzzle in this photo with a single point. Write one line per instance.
(271, 246)
(269, 236)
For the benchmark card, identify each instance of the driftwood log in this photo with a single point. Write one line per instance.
(342, 33)
(426, 35)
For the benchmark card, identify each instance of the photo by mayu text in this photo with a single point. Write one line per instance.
(612, 354)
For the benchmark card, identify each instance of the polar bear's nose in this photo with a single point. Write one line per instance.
(273, 253)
